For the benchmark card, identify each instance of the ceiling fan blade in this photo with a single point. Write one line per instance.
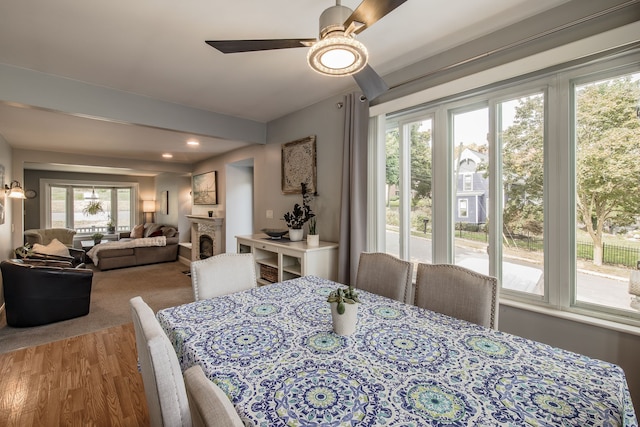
(237, 46)
(370, 11)
(370, 82)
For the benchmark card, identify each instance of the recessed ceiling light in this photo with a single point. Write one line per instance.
(167, 155)
(193, 143)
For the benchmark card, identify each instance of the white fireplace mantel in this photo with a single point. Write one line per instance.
(211, 226)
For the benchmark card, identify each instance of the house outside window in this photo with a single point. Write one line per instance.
(538, 169)
(67, 203)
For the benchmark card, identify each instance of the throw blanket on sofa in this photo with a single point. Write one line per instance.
(123, 244)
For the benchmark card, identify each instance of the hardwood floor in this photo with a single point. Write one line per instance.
(89, 380)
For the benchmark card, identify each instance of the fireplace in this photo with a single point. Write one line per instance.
(206, 246)
(206, 236)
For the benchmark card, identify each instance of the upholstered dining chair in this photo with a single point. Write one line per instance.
(210, 406)
(458, 292)
(385, 275)
(223, 274)
(163, 382)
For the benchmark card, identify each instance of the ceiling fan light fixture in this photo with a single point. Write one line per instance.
(337, 55)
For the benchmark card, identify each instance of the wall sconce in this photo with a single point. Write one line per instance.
(14, 190)
(149, 207)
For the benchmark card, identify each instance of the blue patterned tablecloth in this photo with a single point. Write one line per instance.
(272, 350)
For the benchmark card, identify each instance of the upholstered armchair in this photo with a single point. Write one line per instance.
(38, 292)
(44, 236)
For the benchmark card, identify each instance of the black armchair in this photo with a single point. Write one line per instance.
(76, 256)
(38, 292)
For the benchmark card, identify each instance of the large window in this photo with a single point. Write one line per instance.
(89, 209)
(536, 182)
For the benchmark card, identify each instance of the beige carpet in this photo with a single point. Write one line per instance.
(160, 285)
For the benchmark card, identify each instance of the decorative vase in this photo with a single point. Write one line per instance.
(97, 241)
(295, 234)
(313, 239)
(111, 230)
(345, 323)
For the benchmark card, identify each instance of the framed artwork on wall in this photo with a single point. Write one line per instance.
(164, 202)
(299, 165)
(204, 188)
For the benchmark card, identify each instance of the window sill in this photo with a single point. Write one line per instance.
(576, 317)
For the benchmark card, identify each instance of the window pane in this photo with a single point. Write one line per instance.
(607, 135)
(392, 149)
(123, 221)
(412, 141)
(471, 183)
(521, 136)
(420, 240)
(91, 209)
(58, 210)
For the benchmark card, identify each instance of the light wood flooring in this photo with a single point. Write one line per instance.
(89, 380)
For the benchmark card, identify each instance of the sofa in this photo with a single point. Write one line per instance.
(39, 292)
(131, 251)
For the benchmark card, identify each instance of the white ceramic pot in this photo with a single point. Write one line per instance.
(345, 323)
(313, 239)
(295, 234)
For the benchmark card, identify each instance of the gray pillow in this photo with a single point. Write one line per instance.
(169, 231)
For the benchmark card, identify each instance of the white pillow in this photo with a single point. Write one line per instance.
(55, 247)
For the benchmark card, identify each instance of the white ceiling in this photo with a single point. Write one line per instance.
(157, 49)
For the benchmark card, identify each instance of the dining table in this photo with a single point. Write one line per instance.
(273, 351)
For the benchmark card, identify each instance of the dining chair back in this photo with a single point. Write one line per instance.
(385, 275)
(222, 274)
(210, 406)
(161, 375)
(458, 292)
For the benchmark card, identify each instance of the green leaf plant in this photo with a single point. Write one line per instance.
(343, 296)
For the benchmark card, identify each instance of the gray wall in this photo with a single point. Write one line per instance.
(178, 186)
(324, 120)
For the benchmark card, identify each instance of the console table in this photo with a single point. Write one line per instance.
(278, 260)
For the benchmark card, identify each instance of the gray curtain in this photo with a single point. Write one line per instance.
(353, 206)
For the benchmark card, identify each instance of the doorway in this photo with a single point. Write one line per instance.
(239, 199)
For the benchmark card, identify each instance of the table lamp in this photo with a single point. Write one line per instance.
(149, 207)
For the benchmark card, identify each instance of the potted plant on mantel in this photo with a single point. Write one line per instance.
(344, 310)
(299, 216)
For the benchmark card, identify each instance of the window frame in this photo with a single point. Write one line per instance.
(467, 176)
(70, 184)
(464, 201)
(560, 285)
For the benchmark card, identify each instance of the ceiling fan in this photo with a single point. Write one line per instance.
(336, 52)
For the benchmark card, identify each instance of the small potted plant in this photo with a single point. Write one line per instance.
(299, 216)
(313, 238)
(344, 310)
(111, 226)
(97, 238)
